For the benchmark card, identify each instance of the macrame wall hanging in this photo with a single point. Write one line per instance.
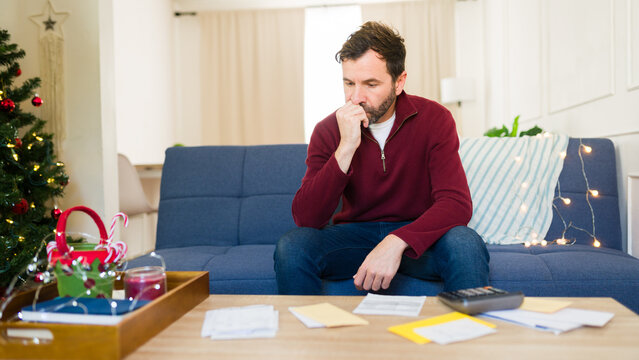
(51, 41)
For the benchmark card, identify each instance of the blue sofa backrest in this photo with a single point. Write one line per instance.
(601, 171)
(228, 195)
(239, 195)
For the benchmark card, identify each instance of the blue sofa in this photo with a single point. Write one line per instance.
(223, 208)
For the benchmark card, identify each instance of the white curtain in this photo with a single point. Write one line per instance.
(428, 29)
(252, 77)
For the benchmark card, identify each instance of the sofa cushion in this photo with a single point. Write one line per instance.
(512, 184)
(241, 269)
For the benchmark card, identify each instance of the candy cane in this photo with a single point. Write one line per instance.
(114, 220)
(50, 247)
(117, 249)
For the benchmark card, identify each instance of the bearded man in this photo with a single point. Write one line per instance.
(392, 160)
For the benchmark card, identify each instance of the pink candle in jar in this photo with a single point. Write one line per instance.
(144, 283)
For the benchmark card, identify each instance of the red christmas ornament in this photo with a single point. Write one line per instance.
(55, 213)
(7, 105)
(39, 277)
(18, 72)
(20, 207)
(64, 182)
(36, 101)
(18, 142)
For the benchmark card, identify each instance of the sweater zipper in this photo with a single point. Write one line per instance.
(383, 156)
(386, 142)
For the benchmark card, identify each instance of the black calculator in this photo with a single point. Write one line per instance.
(481, 299)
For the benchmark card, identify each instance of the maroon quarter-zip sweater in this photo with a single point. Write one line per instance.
(418, 177)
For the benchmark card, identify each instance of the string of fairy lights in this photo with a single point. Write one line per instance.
(589, 193)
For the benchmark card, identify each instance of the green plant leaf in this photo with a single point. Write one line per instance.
(531, 132)
(515, 127)
(497, 132)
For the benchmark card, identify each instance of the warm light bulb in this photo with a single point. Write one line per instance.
(518, 158)
(523, 208)
(39, 138)
(10, 146)
(60, 163)
(527, 244)
(566, 201)
(9, 221)
(29, 146)
(561, 241)
(15, 157)
(50, 180)
(594, 193)
(544, 242)
(534, 235)
(534, 242)
(524, 185)
(596, 243)
(547, 134)
(562, 154)
(21, 238)
(587, 149)
(36, 167)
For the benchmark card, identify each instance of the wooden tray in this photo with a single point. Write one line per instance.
(77, 341)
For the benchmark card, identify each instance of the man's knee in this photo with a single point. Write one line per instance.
(292, 245)
(464, 240)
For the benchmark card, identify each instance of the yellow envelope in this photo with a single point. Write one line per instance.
(330, 315)
(543, 305)
(406, 330)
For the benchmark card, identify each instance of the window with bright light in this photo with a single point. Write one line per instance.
(326, 30)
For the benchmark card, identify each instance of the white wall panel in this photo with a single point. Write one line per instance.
(580, 52)
(633, 44)
(495, 76)
(524, 59)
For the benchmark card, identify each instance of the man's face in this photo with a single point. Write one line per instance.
(368, 83)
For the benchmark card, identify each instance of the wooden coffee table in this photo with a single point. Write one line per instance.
(619, 339)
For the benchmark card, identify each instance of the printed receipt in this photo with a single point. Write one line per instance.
(374, 304)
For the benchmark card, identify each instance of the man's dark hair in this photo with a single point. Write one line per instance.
(380, 38)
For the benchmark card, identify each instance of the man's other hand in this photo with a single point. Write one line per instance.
(381, 264)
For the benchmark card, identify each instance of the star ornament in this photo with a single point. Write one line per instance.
(50, 21)
(48, 24)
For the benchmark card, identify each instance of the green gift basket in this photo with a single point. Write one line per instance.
(84, 270)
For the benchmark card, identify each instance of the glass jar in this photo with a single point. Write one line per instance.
(144, 283)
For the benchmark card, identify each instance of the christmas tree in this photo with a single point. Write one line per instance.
(30, 175)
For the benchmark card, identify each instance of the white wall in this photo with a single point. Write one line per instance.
(144, 79)
(568, 66)
(188, 119)
(88, 149)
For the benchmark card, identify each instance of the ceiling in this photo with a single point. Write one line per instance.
(195, 5)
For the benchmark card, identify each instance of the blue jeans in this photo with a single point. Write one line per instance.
(305, 256)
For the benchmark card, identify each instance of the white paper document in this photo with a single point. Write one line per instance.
(256, 321)
(374, 304)
(454, 331)
(563, 320)
(584, 317)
